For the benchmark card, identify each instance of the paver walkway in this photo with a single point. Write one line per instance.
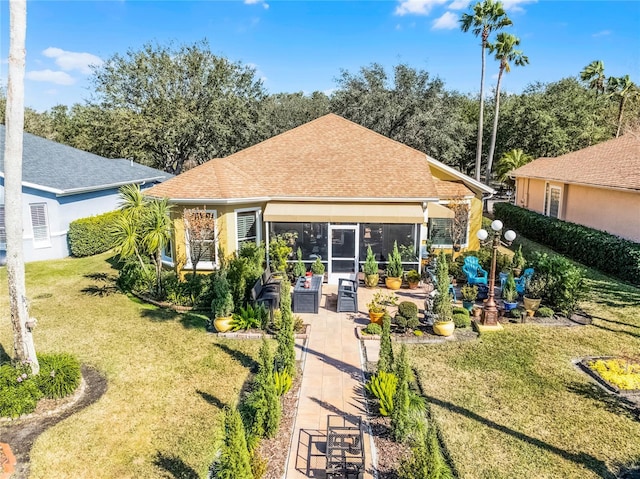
(331, 385)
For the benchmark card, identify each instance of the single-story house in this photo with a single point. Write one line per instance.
(598, 186)
(332, 188)
(61, 184)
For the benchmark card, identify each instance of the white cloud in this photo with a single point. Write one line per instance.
(417, 7)
(602, 33)
(254, 2)
(51, 91)
(458, 4)
(59, 78)
(448, 21)
(514, 5)
(69, 61)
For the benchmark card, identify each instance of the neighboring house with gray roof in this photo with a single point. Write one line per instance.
(61, 184)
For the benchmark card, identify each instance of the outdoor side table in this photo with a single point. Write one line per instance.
(307, 300)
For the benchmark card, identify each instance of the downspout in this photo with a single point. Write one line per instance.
(267, 243)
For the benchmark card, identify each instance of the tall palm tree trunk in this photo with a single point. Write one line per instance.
(23, 344)
(494, 131)
(620, 112)
(481, 115)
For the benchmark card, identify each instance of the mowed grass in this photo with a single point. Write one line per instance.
(167, 379)
(514, 405)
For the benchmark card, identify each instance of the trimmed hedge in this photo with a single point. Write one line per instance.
(89, 236)
(603, 251)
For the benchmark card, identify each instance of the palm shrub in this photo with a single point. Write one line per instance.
(370, 264)
(234, 461)
(249, 317)
(407, 315)
(286, 353)
(400, 415)
(442, 302)
(382, 386)
(385, 360)
(394, 267)
(299, 269)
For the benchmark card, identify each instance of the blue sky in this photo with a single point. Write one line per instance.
(303, 45)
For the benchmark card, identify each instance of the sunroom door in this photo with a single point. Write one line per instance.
(343, 252)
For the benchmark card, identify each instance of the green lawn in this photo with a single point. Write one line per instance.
(513, 405)
(167, 379)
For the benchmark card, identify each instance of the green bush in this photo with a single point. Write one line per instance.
(417, 332)
(19, 391)
(249, 318)
(459, 310)
(59, 374)
(608, 253)
(382, 386)
(385, 360)
(407, 315)
(545, 312)
(299, 269)
(133, 278)
(89, 236)
(394, 267)
(462, 320)
(373, 328)
(283, 382)
(285, 357)
(234, 461)
(426, 460)
(222, 302)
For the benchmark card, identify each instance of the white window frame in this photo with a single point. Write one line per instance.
(45, 242)
(446, 246)
(167, 253)
(204, 265)
(3, 244)
(258, 214)
(547, 199)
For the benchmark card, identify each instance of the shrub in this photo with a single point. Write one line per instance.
(417, 332)
(279, 251)
(394, 267)
(517, 313)
(400, 415)
(370, 264)
(285, 352)
(283, 382)
(545, 312)
(407, 315)
(222, 302)
(59, 374)
(382, 386)
(459, 310)
(373, 328)
(183, 293)
(518, 260)
(132, 277)
(503, 263)
(385, 359)
(249, 318)
(426, 460)
(462, 320)
(90, 236)
(608, 253)
(234, 461)
(469, 293)
(509, 292)
(413, 276)
(442, 302)
(299, 269)
(243, 271)
(317, 267)
(19, 391)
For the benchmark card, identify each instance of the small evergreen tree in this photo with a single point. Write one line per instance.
(400, 416)
(385, 361)
(442, 302)
(234, 461)
(426, 460)
(286, 353)
(299, 269)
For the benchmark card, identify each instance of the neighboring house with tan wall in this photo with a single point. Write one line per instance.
(333, 188)
(598, 187)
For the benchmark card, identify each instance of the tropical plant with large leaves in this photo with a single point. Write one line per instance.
(593, 76)
(485, 17)
(623, 89)
(505, 53)
(510, 161)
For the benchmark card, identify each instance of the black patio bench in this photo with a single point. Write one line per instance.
(266, 290)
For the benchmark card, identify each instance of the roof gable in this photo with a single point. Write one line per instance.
(612, 164)
(62, 169)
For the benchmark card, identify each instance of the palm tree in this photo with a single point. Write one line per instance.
(505, 52)
(156, 234)
(23, 344)
(510, 161)
(593, 75)
(624, 89)
(487, 16)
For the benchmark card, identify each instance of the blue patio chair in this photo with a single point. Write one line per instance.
(521, 282)
(473, 270)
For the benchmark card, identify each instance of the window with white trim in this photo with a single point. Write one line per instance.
(247, 227)
(201, 239)
(552, 201)
(3, 231)
(40, 225)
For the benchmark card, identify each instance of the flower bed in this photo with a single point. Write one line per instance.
(619, 374)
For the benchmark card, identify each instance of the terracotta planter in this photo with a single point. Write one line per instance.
(393, 283)
(222, 324)
(376, 317)
(413, 284)
(530, 303)
(8, 466)
(444, 328)
(371, 280)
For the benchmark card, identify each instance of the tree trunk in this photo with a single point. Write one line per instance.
(481, 115)
(494, 131)
(23, 346)
(620, 112)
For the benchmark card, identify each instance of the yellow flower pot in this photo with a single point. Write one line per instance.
(371, 280)
(223, 323)
(444, 328)
(376, 317)
(393, 283)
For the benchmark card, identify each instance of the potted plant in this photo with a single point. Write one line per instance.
(509, 294)
(221, 303)
(518, 261)
(469, 294)
(299, 269)
(317, 267)
(444, 325)
(413, 278)
(378, 306)
(533, 290)
(393, 280)
(371, 275)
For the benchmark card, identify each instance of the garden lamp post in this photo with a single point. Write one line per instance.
(490, 311)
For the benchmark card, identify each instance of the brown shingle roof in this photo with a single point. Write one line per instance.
(451, 189)
(330, 157)
(611, 164)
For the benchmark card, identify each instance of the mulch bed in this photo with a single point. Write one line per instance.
(20, 434)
